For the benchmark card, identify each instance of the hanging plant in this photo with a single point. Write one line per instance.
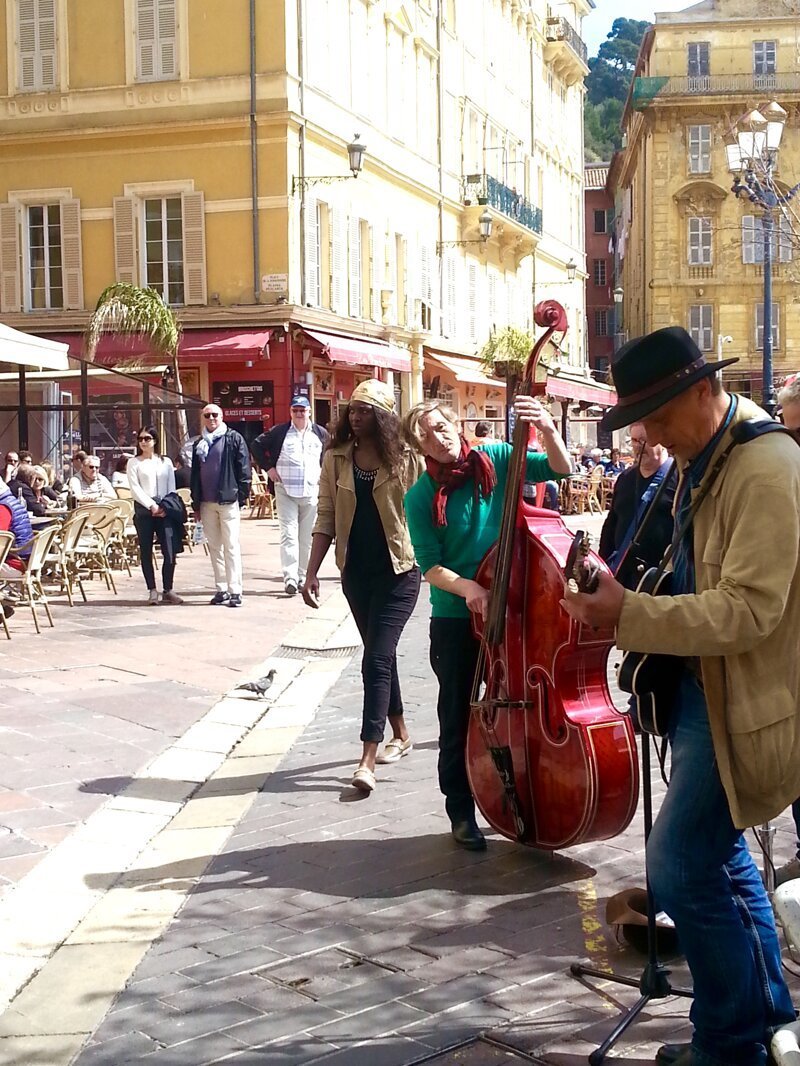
(506, 351)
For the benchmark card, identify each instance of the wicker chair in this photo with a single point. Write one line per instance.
(30, 580)
(63, 554)
(6, 544)
(92, 551)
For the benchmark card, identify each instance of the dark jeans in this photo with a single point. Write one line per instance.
(454, 658)
(703, 876)
(796, 816)
(381, 606)
(148, 528)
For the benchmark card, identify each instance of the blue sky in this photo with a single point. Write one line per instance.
(597, 25)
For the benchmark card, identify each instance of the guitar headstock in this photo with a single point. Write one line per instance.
(579, 570)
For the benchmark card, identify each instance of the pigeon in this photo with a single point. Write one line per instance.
(259, 687)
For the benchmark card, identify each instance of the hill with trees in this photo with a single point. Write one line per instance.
(610, 73)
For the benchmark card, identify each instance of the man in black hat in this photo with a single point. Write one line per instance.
(732, 617)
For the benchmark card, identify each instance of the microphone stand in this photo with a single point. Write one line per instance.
(654, 980)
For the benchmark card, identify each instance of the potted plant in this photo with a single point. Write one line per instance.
(506, 351)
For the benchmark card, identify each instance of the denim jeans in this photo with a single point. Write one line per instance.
(702, 875)
(149, 528)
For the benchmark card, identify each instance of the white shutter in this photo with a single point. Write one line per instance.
(146, 38)
(338, 261)
(394, 281)
(194, 248)
(749, 238)
(377, 270)
(46, 33)
(785, 238)
(424, 273)
(10, 288)
(27, 44)
(472, 302)
(355, 281)
(450, 296)
(311, 251)
(71, 257)
(167, 38)
(125, 239)
(36, 30)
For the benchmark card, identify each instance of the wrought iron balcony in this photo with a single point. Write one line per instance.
(485, 190)
(558, 29)
(647, 90)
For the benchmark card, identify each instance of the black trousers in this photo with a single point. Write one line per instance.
(148, 528)
(381, 607)
(454, 658)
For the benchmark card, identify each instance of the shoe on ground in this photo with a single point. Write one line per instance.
(290, 588)
(171, 598)
(363, 780)
(152, 598)
(219, 598)
(669, 1054)
(235, 599)
(395, 750)
(468, 836)
(790, 871)
(7, 608)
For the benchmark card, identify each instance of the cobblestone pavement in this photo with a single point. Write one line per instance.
(338, 929)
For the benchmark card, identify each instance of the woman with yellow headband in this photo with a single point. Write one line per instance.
(365, 475)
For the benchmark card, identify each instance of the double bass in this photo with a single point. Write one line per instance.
(551, 762)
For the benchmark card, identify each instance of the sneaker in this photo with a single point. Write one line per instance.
(152, 598)
(171, 597)
(790, 871)
(235, 599)
(219, 598)
(290, 588)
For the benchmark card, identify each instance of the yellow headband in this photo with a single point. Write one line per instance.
(374, 392)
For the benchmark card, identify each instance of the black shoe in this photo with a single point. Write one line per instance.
(290, 588)
(468, 835)
(219, 598)
(234, 600)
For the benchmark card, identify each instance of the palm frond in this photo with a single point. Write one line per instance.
(132, 311)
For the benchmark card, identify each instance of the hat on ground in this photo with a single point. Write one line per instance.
(374, 392)
(299, 401)
(649, 371)
(627, 912)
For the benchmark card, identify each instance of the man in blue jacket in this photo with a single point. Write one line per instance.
(220, 484)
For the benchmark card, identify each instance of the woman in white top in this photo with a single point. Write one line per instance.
(151, 476)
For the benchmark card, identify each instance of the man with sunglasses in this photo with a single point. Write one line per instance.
(90, 486)
(220, 485)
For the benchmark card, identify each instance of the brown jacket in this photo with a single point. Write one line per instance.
(743, 622)
(337, 504)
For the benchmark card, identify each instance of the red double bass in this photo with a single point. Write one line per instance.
(551, 762)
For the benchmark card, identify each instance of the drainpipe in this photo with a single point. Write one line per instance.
(254, 159)
(440, 156)
(301, 146)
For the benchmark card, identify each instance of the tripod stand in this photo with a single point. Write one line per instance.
(654, 980)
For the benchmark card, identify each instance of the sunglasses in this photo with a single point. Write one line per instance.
(145, 438)
(211, 414)
(88, 466)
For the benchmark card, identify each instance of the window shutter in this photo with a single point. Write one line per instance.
(46, 32)
(71, 257)
(10, 289)
(125, 239)
(37, 44)
(784, 240)
(146, 37)
(748, 239)
(450, 296)
(377, 268)
(194, 247)
(338, 261)
(311, 251)
(167, 38)
(27, 45)
(472, 302)
(394, 281)
(354, 267)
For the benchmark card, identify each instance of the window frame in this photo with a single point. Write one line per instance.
(697, 333)
(699, 226)
(695, 139)
(765, 46)
(702, 59)
(27, 265)
(601, 316)
(143, 257)
(600, 272)
(602, 212)
(776, 326)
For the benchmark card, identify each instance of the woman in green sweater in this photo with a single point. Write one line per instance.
(454, 513)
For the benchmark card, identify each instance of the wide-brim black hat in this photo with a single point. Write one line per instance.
(649, 371)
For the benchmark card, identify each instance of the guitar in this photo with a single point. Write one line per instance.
(579, 570)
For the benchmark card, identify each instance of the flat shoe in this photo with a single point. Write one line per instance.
(395, 750)
(363, 779)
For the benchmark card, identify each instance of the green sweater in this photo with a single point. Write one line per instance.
(472, 527)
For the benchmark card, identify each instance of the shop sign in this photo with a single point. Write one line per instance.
(275, 283)
(244, 400)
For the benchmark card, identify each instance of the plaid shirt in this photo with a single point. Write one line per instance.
(299, 463)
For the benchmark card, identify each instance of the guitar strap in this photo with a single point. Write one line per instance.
(632, 538)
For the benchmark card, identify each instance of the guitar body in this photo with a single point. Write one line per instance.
(652, 679)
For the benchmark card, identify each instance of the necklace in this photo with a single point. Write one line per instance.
(363, 475)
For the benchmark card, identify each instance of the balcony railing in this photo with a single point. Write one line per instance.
(484, 189)
(645, 90)
(558, 29)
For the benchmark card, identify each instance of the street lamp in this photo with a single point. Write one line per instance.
(752, 155)
(485, 224)
(618, 295)
(355, 158)
(571, 268)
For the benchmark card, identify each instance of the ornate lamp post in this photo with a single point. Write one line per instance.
(752, 153)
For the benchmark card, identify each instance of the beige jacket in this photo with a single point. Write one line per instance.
(337, 504)
(743, 622)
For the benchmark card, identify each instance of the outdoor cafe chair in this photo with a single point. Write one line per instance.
(6, 544)
(262, 504)
(92, 550)
(30, 579)
(64, 554)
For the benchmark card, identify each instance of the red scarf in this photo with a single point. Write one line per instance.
(470, 465)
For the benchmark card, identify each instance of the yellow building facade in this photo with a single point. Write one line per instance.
(690, 253)
(201, 148)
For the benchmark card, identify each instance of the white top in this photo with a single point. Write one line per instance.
(150, 478)
(119, 479)
(299, 463)
(98, 491)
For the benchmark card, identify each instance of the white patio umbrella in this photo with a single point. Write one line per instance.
(27, 350)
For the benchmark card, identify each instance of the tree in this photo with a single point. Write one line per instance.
(131, 311)
(610, 73)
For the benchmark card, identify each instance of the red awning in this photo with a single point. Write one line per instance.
(357, 352)
(196, 345)
(566, 389)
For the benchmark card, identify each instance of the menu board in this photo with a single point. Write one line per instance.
(245, 400)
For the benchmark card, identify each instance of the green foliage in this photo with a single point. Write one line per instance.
(610, 73)
(507, 345)
(133, 312)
